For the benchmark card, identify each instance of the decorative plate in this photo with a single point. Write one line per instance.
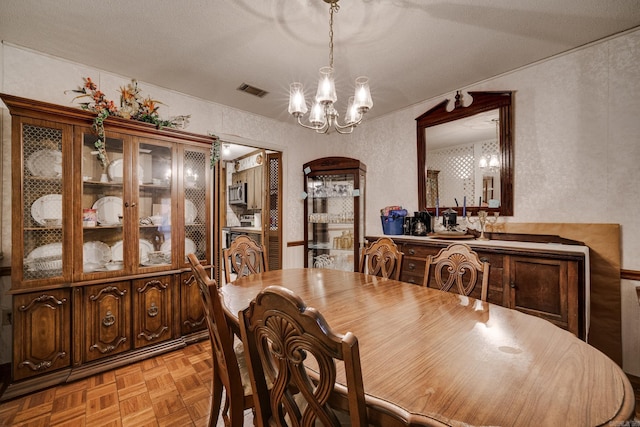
(115, 171)
(108, 210)
(47, 207)
(117, 251)
(96, 253)
(190, 212)
(144, 249)
(189, 246)
(45, 258)
(46, 251)
(46, 163)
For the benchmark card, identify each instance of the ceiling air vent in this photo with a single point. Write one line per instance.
(252, 90)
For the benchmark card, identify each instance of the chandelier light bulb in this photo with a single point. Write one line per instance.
(363, 94)
(353, 115)
(326, 93)
(297, 103)
(317, 116)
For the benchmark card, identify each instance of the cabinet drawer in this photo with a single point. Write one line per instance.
(417, 250)
(413, 270)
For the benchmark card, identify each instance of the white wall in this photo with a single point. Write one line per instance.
(576, 145)
(577, 152)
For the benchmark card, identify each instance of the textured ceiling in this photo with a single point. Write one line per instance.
(411, 50)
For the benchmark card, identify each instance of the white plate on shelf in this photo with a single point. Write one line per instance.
(45, 163)
(49, 207)
(45, 258)
(145, 247)
(96, 252)
(189, 246)
(46, 251)
(108, 209)
(190, 212)
(115, 172)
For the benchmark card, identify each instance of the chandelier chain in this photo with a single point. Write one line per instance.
(333, 8)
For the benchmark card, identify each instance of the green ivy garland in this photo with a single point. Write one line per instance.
(215, 150)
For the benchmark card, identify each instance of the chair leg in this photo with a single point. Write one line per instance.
(216, 400)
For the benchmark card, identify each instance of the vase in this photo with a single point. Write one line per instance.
(104, 178)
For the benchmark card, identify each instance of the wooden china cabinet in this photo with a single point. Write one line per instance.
(334, 212)
(99, 271)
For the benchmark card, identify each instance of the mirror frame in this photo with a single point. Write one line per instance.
(482, 101)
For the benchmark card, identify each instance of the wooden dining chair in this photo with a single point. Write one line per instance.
(457, 268)
(382, 258)
(245, 256)
(229, 367)
(286, 342)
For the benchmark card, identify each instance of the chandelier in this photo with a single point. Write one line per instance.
(491, 163)
(323, 115)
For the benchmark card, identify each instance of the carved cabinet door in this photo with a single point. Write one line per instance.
(152, 310)
(107, 321)
(42, 341)
(191, 314)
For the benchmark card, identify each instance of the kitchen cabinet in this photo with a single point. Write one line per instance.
(541, 279)
(255, 182)
(334, 212)
(254, 178)
(99, 247)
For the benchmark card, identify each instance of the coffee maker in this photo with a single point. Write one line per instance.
(418, 225)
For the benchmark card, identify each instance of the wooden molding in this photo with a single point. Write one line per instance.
(630, 274)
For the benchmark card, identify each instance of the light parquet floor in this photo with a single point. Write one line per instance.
(169, 390)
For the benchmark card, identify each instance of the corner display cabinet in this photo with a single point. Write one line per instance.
(99, 272)
(334, 212)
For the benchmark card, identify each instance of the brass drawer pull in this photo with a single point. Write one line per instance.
(153, 310)
(109, 319)
(411, 252)
(412, 266)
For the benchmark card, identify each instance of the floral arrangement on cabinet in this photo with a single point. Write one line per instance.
(132, 106)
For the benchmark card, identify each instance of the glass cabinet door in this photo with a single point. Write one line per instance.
(331, 237)
(156, 214)
(103, 193)
(42, 207)
(195, 172)
(126, 205)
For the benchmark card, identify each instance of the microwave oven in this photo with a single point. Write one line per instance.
(238, 194)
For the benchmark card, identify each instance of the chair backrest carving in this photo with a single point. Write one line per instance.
(382, 258)
(227, 370)
(456, 268)
(244, 257)
(282, 337)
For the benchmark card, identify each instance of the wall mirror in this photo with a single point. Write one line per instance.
(465, 155)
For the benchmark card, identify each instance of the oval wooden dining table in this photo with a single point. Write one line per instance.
(453, 358)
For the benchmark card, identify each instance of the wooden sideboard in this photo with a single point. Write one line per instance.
(546, 280)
